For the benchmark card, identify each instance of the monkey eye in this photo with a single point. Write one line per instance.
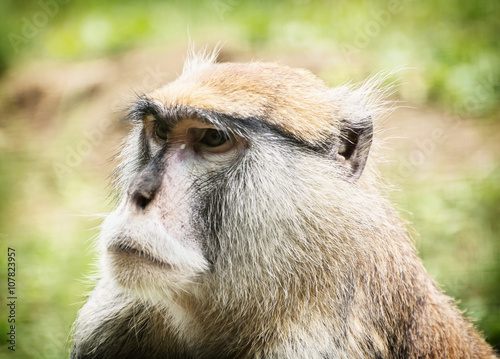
(161, 132)
(213, 138)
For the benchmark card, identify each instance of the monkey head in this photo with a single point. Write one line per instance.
(221, 179)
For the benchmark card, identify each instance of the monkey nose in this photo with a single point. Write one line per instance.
(142, 191)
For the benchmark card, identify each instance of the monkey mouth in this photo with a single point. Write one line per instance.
(126, 250)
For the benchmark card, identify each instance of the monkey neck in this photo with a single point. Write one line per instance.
(357, 302)
(350, 309)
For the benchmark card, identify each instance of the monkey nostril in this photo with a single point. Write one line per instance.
(142, 198)
(143, 188)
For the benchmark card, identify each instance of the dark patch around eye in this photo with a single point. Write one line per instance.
(144, 150)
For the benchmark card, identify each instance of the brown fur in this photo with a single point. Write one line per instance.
(265, 91)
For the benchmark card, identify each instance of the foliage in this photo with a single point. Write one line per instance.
(453, 44)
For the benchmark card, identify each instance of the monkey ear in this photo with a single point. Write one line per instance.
(352, 146)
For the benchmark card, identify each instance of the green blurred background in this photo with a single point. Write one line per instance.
(68, 68)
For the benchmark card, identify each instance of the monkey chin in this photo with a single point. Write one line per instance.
(147, 277)
(147, 262)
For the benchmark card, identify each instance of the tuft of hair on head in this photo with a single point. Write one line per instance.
(377, 90)
(372, 95)
(197, 60)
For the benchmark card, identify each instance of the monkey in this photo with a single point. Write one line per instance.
(250, 223)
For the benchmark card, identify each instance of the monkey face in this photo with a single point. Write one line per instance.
(216, 177)
(151, 242)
